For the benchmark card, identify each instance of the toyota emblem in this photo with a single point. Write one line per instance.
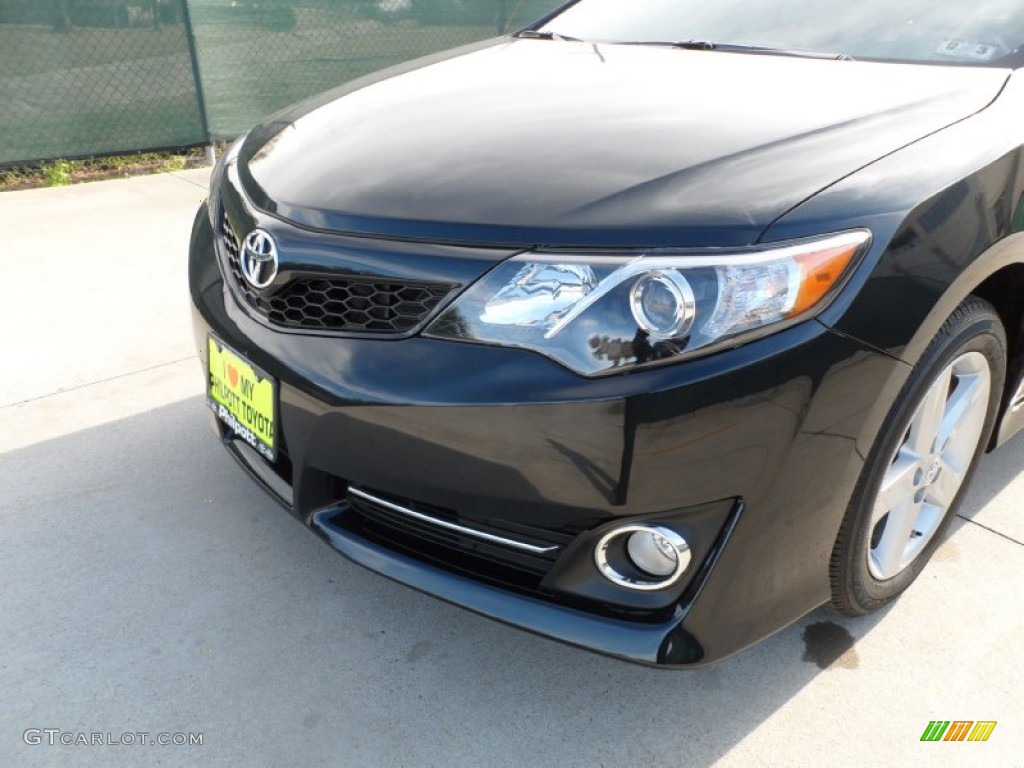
(259, 259)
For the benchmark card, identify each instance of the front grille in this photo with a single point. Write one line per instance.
(344, 304)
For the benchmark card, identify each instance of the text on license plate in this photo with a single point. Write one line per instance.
(243, 397)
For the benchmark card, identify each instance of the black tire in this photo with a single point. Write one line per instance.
(973, 327)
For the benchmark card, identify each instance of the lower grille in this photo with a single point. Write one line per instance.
(342, 304)
(509, 557)
(424, 538)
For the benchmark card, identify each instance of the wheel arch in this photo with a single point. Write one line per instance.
(1004, 290)
(997, 276)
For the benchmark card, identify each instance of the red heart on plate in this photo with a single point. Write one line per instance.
(233, 376)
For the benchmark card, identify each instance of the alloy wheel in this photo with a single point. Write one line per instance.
(929, 467)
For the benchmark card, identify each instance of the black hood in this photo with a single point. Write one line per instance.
(531, 142)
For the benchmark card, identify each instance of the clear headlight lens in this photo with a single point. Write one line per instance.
(663, 304)
(539, 291)
(603, 313)
(218, 176)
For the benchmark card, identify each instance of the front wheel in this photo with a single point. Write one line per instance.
(922, 461)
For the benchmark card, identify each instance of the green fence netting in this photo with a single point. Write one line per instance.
(90, 77)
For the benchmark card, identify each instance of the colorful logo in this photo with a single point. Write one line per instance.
(958, 730)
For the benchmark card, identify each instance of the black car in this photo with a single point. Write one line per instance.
(649, 328)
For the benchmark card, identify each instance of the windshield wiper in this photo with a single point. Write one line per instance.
(533, 34)
(695, 45)
(704, 45)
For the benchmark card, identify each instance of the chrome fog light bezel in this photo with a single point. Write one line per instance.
(604, 559)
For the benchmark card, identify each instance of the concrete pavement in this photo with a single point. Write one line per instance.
(146, 585)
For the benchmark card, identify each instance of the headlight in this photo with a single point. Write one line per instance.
(604, 313)
(218, 175)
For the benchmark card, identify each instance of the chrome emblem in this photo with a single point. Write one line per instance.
(259, 259)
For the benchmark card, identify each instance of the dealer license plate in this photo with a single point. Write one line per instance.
(243, 397)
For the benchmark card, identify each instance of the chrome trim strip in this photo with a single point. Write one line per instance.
(451, 526)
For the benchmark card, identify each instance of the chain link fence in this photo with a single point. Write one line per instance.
(93, 77)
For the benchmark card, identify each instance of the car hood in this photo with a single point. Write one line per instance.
(531, 142)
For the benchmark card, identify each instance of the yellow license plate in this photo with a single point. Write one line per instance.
(243, 397)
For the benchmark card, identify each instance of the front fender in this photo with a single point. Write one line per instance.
(947, 214)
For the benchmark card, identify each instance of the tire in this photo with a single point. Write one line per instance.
(922, 461)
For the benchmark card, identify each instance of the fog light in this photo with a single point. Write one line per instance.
(652, 553)
(643, 557)
(663, 305)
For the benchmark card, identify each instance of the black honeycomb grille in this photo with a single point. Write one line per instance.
(344, 304)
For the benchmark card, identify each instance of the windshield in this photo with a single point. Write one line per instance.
(948, 31)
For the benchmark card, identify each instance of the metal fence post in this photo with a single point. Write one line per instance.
(502, 17)
(190, 35)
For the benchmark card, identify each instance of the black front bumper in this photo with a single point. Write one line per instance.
(753, 453)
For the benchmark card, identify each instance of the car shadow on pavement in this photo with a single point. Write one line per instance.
(995, 471)
(150, 584)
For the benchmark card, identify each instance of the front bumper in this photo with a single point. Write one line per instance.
(752, 452)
